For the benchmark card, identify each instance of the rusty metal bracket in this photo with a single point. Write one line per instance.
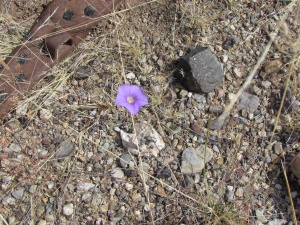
(59, 29)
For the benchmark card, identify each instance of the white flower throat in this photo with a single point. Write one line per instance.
(130, 99)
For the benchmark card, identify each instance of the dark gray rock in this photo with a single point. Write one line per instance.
(125, 161)
(82, 72)
(65, 148)
(199, 71)
(163, 173)
(188, 181)
(229, 42)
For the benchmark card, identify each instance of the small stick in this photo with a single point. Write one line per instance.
(4, 64)
(290, 195)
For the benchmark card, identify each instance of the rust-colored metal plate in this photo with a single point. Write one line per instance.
(59, 29)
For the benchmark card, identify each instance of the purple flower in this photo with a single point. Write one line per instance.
(131, 97)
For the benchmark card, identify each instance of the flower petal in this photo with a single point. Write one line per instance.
(123, 91)
(142, 99)
(134, 91)
(135, 109)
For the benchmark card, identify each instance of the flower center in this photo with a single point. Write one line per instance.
(130, 99)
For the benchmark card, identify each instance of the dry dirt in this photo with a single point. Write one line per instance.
(243, 183)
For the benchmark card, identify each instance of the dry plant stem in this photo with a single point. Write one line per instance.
(218, 123)
(3, 219)
(290, 195)
(281, 104)
(142, 174)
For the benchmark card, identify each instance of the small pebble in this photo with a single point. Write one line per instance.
(239, 192)
(224, 58)
(130, 75)
(49, 218)
(237, 72)
(65, 149)
(128, 186)
(45, 115)
(260, 216)
(83, 186)
(42, 222)
(18, 194)
(126, 161)
(117, 174)
(68, 209)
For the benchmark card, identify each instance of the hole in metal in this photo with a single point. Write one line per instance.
(24, 121)
(69, 42)
(89, 11)
(43, 48)
(22, 59)
(27, 36)
(3, 95)
(20, 77)
(68, 15)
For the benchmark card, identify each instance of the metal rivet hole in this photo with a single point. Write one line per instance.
(3, 95)
(68, 15)
(22, 59)
(20, 78)
(89, 11)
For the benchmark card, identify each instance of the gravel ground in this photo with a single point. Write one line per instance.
(64, 155)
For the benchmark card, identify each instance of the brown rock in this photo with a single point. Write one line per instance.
(196, 127)
(272, 66)
(295, 165)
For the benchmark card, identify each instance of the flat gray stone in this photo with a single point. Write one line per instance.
(277, 222)
(18, 194)
(248, 102)
(147, 142)
(117, 174)
(199, 71)
(82, 72)
(84, 186)
(15, 148)
(260, 216)
(65, 148)
(277, 147)
(8, 200)
(193, 159)
(126, 161)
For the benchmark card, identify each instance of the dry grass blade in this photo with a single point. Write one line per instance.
(290, 194)
(4, 221)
